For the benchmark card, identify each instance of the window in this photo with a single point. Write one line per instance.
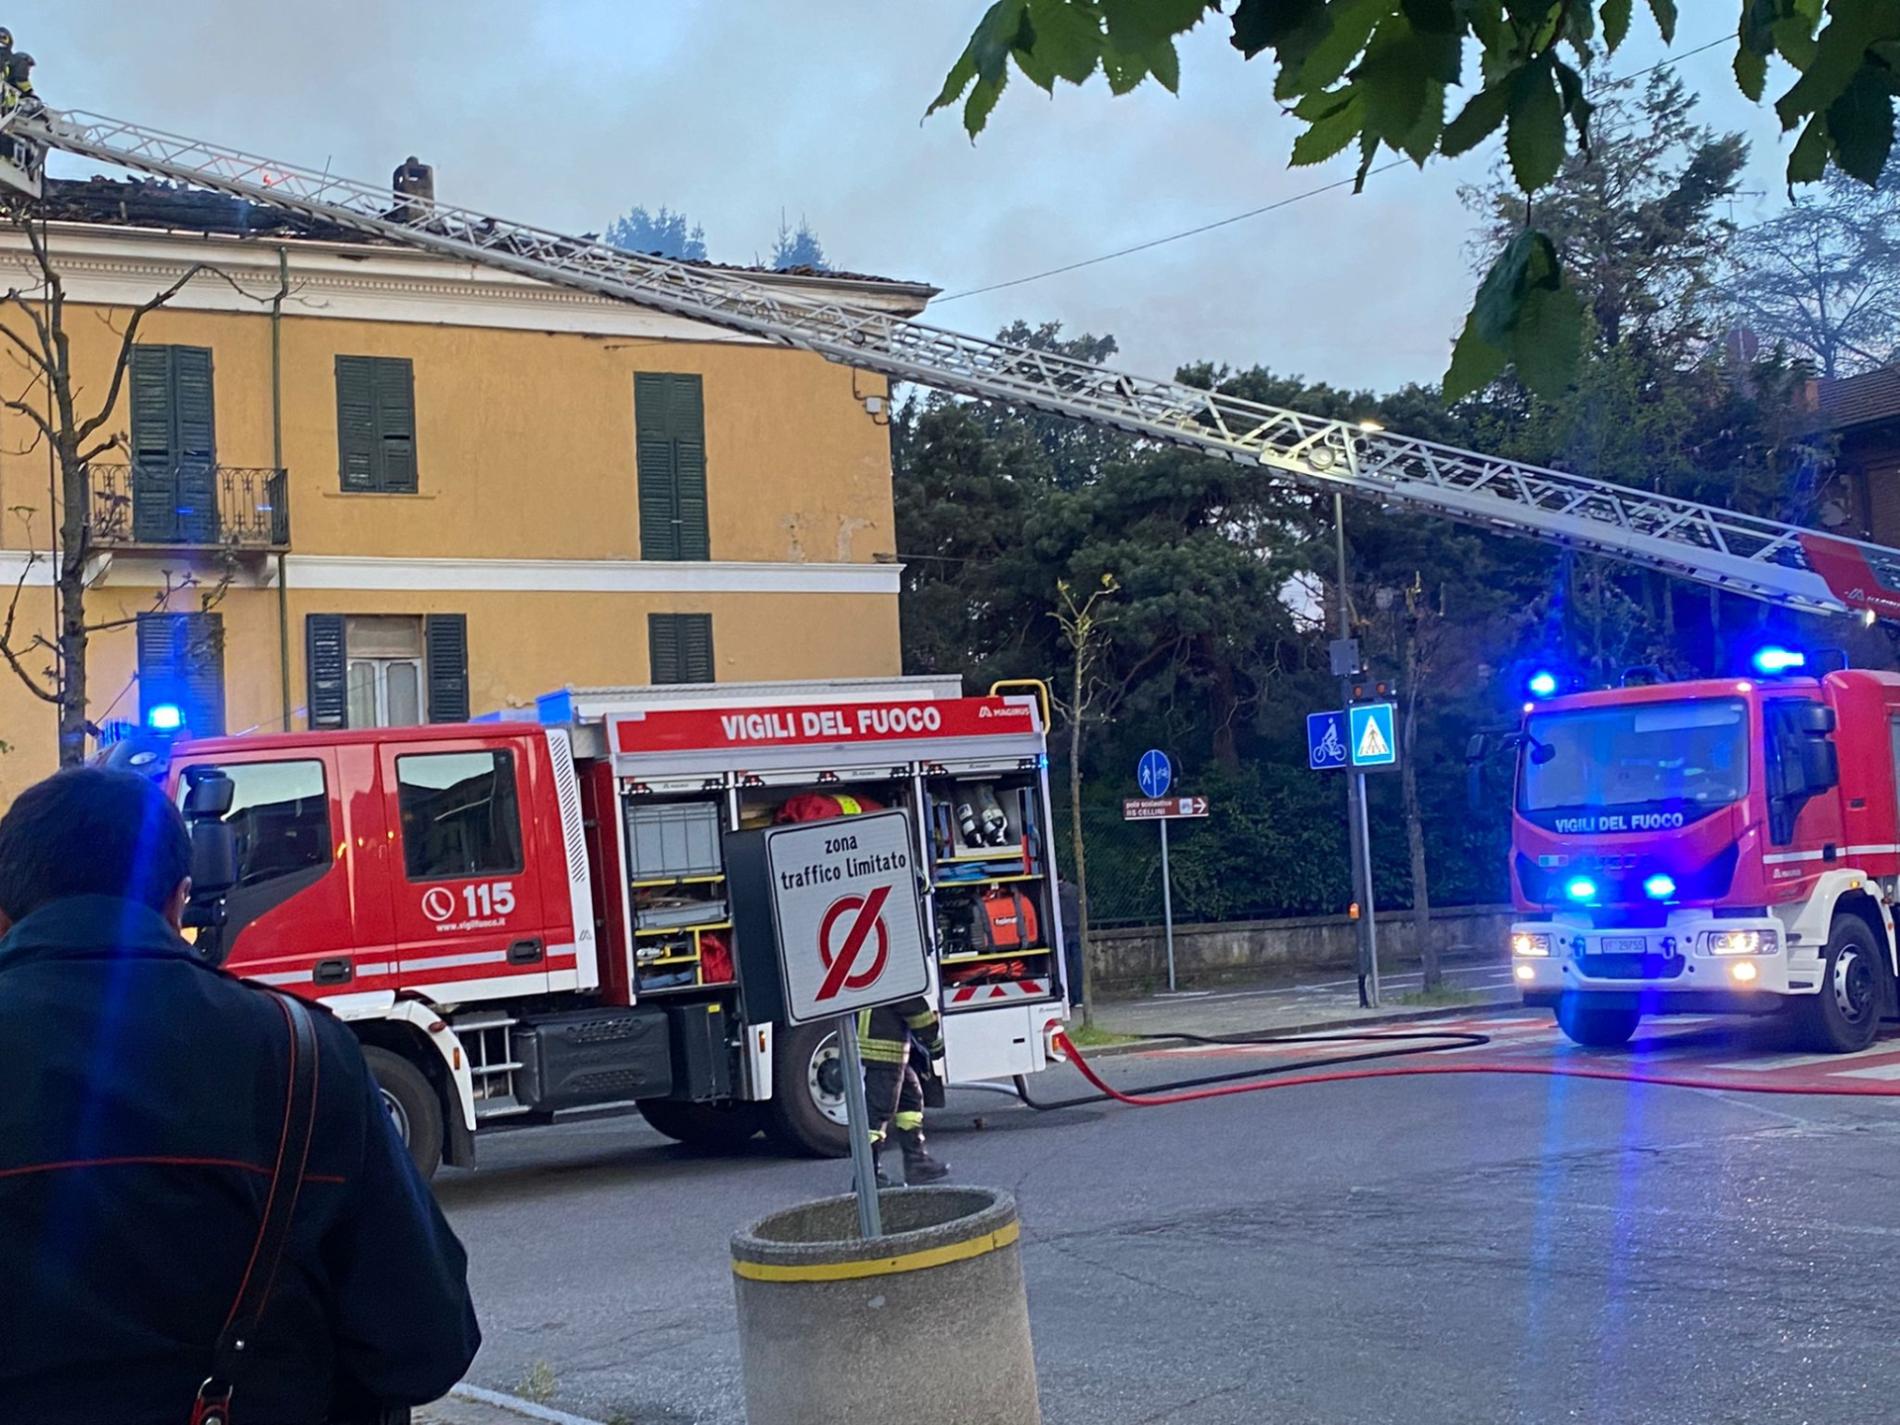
(376, 424)
(174, 446)
(383, 670)
(460, 814)
(670, 458)
(280, 816)
(679, 647)
(181, 666)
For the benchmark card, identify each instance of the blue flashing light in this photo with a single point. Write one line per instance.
(1581, 888)
(164, 717)
(1771, 660)
(1542, 684)
(1660, 887)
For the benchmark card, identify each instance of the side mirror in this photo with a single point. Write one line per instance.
(1813, 719)
(1820, 765)
(209, 794)
(214, 861)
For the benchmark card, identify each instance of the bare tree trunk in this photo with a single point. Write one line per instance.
(1076, 710)
(71, 659)
(1414, 819)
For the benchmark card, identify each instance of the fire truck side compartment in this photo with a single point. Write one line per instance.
(594, 1056)
(702, 1055)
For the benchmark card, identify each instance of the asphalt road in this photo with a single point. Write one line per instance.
(1429, 1249)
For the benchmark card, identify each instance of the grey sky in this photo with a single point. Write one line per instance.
(568, 113)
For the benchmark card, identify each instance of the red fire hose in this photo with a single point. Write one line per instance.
(1557, 1071)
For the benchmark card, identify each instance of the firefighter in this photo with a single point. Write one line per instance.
(893, 1089)
(20, 79)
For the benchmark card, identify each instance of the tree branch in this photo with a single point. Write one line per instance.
(33, 684)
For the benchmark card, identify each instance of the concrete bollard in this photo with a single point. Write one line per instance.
(927, 1325)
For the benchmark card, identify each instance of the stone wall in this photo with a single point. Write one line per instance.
(1135, 959)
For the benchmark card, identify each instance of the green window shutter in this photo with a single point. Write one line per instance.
(670, 462)
(327, 694)
(195, 423)
(356, 424)
(679, 648)
(395, 385)
(445, 641)
(181, 662)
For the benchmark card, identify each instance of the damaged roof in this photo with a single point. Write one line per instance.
(177, 207)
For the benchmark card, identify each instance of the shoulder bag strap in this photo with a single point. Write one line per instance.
(213, 1405)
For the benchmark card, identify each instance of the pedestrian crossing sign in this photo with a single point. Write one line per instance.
(1373, 743)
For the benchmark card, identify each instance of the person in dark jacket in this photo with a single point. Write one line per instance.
(888, 1037)
(145, 1105)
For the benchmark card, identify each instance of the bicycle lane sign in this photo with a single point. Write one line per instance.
(850, 930)
(1326, 746)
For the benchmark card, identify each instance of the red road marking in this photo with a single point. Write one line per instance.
(838, 970)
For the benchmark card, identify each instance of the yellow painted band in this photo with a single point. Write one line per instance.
(880, 1266)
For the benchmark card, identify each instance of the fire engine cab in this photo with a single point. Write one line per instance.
(1721, 845)
(527, 916)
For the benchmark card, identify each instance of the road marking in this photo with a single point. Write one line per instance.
(1872, 1071)
(1766, 1063)
(501, 1400)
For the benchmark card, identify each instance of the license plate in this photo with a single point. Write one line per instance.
(1623, 945)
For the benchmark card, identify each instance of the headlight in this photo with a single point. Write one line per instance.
(1523, 943)
(1742, 942)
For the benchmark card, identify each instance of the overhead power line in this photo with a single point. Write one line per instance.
(1265, 208)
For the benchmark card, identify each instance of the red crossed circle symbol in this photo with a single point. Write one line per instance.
(868, 916)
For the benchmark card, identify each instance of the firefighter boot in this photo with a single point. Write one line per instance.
(877, 1161)
(919, 1166)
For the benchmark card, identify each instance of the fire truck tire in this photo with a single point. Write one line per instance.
(1844, 1017)
(805, 1114)
(1595, 1026)
(713, 1127)
(415, 1109)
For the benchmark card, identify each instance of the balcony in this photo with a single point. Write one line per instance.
(190, 507)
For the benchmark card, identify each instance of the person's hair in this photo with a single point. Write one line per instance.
(89, 832)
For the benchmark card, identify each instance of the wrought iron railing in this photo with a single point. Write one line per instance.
(189, 506)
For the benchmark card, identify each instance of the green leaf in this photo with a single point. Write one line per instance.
(984, 61)
(1502, 291)
(1576, 103)
(1839, 51)
(1433, 17)
(1535, 138)
(1165, 64)
(1751, 73)
(1794, 38)
(1323, 64)
(1066, 42)
(1273, 24)
(1807, 161)
(1475, 363)
(1547, 344)
(1136, 26)
(1477, 121)
(1392, 78)
(1330, 135)
(1861, 124)
(1419, 142)
(1665, 13)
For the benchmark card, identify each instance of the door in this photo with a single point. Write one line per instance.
(174, 446)
(467, 893)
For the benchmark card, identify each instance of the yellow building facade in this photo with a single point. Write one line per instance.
(386, 487)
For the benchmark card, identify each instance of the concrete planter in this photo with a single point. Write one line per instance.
(927, 1325)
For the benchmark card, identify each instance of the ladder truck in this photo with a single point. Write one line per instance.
(1783, 564)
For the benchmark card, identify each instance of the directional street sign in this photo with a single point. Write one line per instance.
(1326, 740)
(1372, 740)
(1154, 774)
(1163, 808)
(845, 897)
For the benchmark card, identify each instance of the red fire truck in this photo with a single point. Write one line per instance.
(1722, 845)
(527, 917)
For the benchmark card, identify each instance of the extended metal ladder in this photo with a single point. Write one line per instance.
(1765, 559)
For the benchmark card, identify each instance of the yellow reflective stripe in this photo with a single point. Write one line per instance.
(850, 806)
(880, 1266)
(882, 1051)
(907, 1120)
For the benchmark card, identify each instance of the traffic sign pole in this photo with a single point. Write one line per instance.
(863, 1160)
(1167, 901)
(1356, 822)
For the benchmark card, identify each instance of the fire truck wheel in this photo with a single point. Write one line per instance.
(806, 1114)
(414, 1109)
(1845, 1015)
(1595, 1026)
(714, 1127)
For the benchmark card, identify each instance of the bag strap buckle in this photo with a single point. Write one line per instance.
(213, 1405)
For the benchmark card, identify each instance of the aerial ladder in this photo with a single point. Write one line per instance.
(1783, 564)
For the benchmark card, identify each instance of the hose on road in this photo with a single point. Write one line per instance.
(1222, 1085)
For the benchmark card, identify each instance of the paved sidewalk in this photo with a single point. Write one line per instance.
(471, 1405)
(1283, 1006)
